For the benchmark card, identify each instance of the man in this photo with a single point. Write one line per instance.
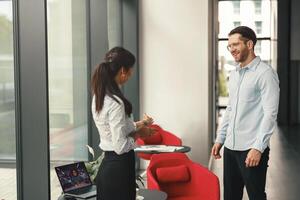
(76, 178)
(249, 120)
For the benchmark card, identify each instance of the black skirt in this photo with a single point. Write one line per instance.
(116, 177)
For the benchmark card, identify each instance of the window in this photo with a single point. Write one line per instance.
(67, 71)
(257, 7)
(8, 188)
(236, 7)
(258, 47)
(258, 26)
(236, 24)
(226, 63)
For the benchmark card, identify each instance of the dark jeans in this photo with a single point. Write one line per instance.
(116, 177)
(237, 175)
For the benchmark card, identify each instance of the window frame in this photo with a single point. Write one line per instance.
(32, 119)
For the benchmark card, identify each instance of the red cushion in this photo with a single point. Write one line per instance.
(185, 198)
(178, 173)
(154, 139)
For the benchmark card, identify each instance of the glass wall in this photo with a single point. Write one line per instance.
(67, 63)
(8, 190)
(243, 13)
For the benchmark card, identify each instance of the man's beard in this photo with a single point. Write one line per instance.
(243, 55)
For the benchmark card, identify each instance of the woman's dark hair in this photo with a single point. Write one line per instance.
(103, 79)
(245, 32)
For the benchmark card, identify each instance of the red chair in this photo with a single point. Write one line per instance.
(161, 137)
(181, 178)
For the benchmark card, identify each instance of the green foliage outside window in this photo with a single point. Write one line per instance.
(5, 36)
(222, 83)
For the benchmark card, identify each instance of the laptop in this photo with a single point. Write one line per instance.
(75, 181)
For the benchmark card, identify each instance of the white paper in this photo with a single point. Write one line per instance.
(158, 148)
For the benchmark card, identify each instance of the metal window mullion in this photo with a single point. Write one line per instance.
(259, 38)
(31, 89)
(97, 46)
(130, 42)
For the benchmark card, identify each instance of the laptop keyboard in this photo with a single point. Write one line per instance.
(81, 190)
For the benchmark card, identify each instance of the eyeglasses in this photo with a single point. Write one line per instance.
(235, 45)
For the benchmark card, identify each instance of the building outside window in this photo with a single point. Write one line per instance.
(236, 7)
(258, 27)
(8, 187)
(244, 13)
(258, 47)
(236, 24)
(257, 7)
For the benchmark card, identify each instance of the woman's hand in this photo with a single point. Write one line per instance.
(145, 132)
(147, 120)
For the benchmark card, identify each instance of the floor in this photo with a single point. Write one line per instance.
(8, 188)
(283, 178)
(67, 144)
(8, 184)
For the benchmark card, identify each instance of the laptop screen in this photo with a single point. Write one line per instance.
(73, 176)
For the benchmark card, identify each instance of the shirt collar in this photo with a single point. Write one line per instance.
(251, 66)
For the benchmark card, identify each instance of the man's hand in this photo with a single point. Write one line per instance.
(215, 151)
(253, 158)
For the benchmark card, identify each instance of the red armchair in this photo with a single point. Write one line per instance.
(181, 178)
(161, 137)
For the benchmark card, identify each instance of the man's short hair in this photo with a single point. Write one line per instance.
(245, 32)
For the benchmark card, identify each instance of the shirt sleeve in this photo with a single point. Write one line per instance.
(269, 89)
(221, 134)
(122, 143)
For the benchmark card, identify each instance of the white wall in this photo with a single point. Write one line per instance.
(174, 45)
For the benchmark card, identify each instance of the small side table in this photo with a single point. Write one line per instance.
(152, 194)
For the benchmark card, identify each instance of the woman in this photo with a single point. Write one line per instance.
(111, 112)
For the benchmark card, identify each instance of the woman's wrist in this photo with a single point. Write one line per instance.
(145, 123)
(141, 123)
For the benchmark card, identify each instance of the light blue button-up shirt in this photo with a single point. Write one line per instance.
(251, 113)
